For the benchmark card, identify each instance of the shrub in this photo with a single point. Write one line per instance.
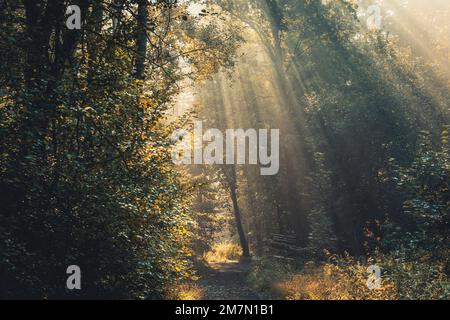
(342, 278)
(418, 277)
(404, 277)
(265, 271)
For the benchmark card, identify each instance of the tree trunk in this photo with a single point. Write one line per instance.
(231, 180)
(238, 219)
(142, 38)
(256, 217)
(97, 22)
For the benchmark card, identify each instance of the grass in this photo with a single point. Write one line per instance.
(223, 252)
(187, 292)
(331, 282)
(345, 278)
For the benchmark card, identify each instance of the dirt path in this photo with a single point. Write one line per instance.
(226, 281)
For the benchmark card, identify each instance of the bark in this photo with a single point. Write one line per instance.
(240, 229)
(142, 38)
(232, 185)
(257, 217)
(93, 52)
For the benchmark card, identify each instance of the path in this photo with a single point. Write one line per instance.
(226, 281)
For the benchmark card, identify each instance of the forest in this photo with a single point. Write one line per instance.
(339, 188)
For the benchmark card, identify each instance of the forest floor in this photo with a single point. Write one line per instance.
(227, 281)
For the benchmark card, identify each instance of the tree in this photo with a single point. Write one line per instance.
(424, 186)
(230, 181)
(321, 235)
(85, 168)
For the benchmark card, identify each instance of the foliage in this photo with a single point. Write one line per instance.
(86, 176)
(209, 209)
(321, 226)
(418, 275)
(424, 222)
(266, 271)
(358, 96)
(343, 280)
(404, 277)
